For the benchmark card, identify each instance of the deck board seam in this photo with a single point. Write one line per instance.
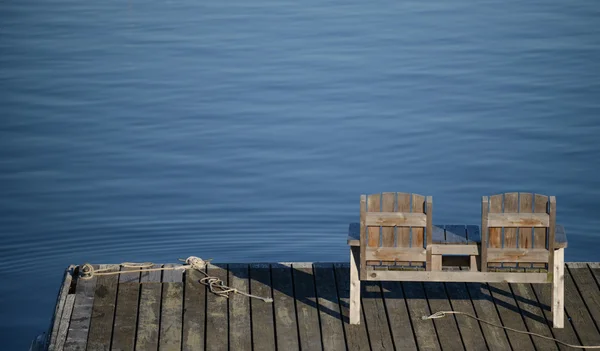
(314, 278)
(455, 316)
(273, 305)
(387, 315)
(587, 307)
(437, 335)
(295, 307)
(339, 302)
(499, 317)
(476, 315)
(412, 327)
(522, 316)
(539, 303)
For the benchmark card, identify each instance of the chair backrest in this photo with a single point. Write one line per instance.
(392, 228)
(517, 230)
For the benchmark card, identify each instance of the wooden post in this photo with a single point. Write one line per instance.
(429, 230)
(473, 263)
(558, 289)
(363, 238)
(551, 233)
(484, 233)
(354, 285)
(436, 262)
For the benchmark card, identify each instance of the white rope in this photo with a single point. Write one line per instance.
(214, 284)
(442, 314)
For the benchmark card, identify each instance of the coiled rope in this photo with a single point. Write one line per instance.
(214, 284)
(442, 314)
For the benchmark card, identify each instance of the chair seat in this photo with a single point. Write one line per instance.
(452, 234)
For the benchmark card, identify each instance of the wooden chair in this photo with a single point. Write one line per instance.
(393, 229)
(519, 243)
(519, 235)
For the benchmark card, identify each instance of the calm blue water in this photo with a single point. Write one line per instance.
(246, 131)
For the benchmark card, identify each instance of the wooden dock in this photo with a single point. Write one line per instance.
(170, 310)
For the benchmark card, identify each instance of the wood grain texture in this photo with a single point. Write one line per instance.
(171, 311)
(262, 312)
(373, 205)
(399, 219)
(387, 233)
(125, 327)
(103, 311)
(515, 220)
(285, 309)
(511, 206)
(447, 330)
(375, 317)
(533, 316)
(63, 327)
(392, 253)
(149, 310)
(194, 310)
(510, 316)
(332, 332)
(399, 318)
(240, 332)
(217, 311)
(414, 219)
(485, 233)
(588, 289)
(470, 331)
(540, 234)
(306, 307)
(60, 308)
(363, 237)
(417, 233)
(417, 306)
(82, 313)
(567, 334)
(485, 309)
(495, 233)
(450, 276)
(517, 255)
(579, 313)
(356, 335)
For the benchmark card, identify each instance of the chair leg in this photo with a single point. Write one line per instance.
(558, 289)
(436, 262)
(354, 285)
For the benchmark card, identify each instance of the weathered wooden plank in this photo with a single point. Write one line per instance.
(375, 316)
(356, 335)
(470, 331)
(473, 234)
(510, 316)
(194, 310)
(411, 219)
(595, 269)
(588, 289)
(449, 276)
(447, 330)
(526, 234)
(485, 309)
(399, 318)
(82, 313)
(418, 234)
(394, 253)
(103, 311)
(332, 332)
(495, 232)
(217, 312)
(579, 313)
(399, 219)
(437, 249)
(387, 233)
(306, 307)
(514, 220)
(456, 234)
(417, 306)
(171, 312)
(567, 334)
(59, 308)
(240, 332)
(511, 206)
(65, 319)
(517, 255)
(149, 310)
(285, 310)
(125, 324)
(373, 205)
(263, 324)
(485, 234)
(533, 316)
